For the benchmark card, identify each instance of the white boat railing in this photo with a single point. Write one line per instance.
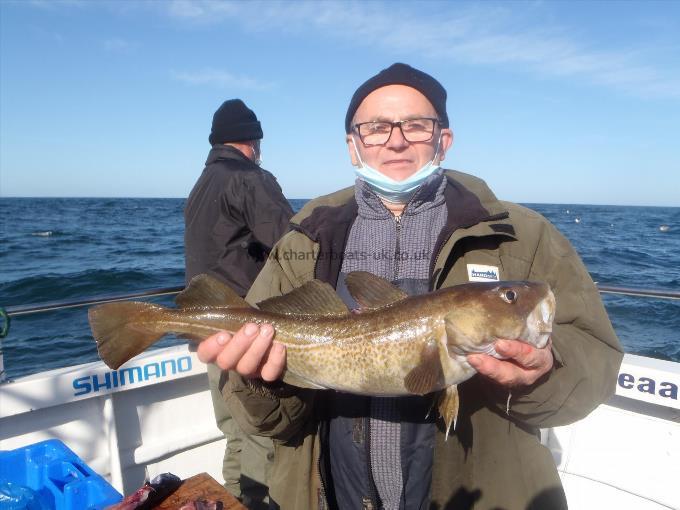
(16, 310)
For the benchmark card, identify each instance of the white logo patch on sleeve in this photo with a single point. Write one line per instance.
(482, 273)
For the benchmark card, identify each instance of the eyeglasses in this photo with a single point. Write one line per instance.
(413, 130)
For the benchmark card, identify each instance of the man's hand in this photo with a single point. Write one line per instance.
(251, 352)
(524, 365)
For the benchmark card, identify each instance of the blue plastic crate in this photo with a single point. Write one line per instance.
(49, 476)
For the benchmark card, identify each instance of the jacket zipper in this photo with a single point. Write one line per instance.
(323, 502)
(397, 222)
(373, 490)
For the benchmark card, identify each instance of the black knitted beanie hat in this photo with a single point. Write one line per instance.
(234, 122)
(401, 74)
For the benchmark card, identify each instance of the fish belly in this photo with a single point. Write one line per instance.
(361, 368)
(373, 360)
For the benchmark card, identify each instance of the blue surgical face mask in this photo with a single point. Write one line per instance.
(397, 192)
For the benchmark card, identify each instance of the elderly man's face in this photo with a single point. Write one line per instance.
(397, 158)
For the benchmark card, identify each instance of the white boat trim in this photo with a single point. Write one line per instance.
(649, 380)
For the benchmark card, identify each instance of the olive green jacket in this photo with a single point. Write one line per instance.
(494, 460)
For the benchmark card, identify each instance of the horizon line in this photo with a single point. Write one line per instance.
(308, 199)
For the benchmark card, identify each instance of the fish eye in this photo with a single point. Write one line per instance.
(509, 295)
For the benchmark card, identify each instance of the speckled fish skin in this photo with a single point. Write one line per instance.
(379, 352)
(416, 345)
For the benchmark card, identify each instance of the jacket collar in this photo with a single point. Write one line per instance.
(469, 199)
(467, 209)
(221, 152)
(475, 215)
(329, 226)
(327, 220)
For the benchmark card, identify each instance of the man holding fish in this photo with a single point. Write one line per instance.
(481, 326)
(339, 450)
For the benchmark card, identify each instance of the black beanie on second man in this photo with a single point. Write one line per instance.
(401, 74)
(234, 122)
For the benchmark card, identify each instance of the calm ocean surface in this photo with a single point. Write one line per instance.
(69, 248)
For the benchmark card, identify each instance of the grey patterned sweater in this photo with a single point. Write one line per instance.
(398, 249)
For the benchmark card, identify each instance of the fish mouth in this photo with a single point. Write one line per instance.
(540, 321)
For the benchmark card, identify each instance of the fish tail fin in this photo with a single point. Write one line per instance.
(124, 329)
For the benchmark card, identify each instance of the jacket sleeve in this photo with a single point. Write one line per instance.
(586, 349)
(202, 212)
(278, 411)
(265, 210)
(212, 224)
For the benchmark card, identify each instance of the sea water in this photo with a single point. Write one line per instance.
(70, 248)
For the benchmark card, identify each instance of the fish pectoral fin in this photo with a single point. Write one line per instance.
(447, 404)
(204, 290)
(427, 375)
(295, 380)
(371, 291)
(313, 298)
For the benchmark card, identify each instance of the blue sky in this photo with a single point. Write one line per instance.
(567, 102)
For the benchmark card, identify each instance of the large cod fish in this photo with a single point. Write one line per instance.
(396, 345)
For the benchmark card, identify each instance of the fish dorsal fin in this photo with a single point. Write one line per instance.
(313, 298)
(204, 290)
(371, 291)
